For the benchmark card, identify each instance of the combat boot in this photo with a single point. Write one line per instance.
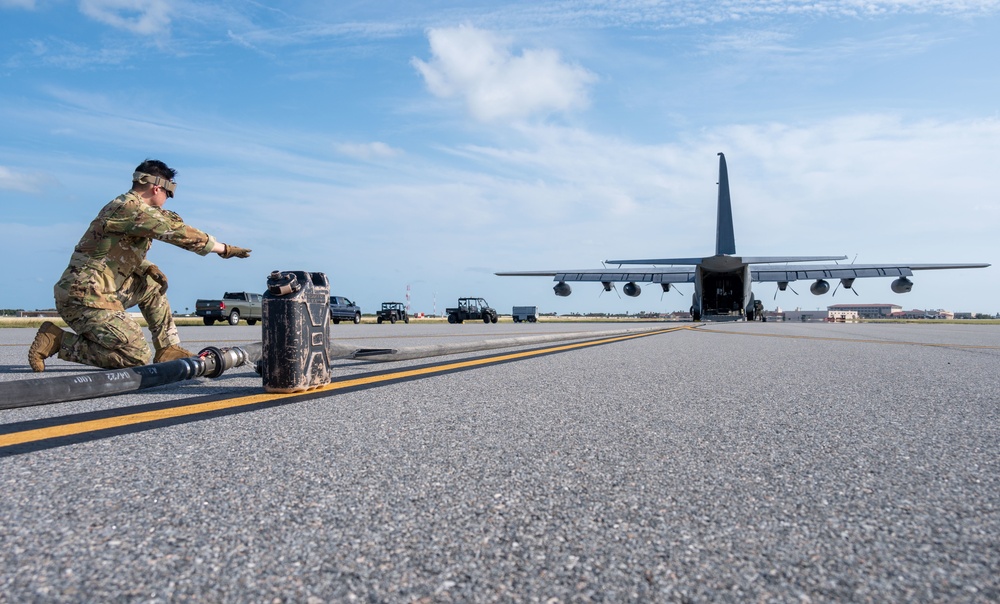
(47, 342)
(171, 353)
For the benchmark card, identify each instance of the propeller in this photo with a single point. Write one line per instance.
(849, 282)
(666, 288)
(781, 289)
(610, 287)
(849, 285)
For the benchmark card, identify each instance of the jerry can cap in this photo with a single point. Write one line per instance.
(282, 284)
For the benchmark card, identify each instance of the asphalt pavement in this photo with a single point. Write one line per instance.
(772, 462)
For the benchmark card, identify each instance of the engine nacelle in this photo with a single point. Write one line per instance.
(606, 285)
(665, 286)
(782, 285)
(631, 290)
(847, 283)
(562, 289)
(820, 287)
(902, 285)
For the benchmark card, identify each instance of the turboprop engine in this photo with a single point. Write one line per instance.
(820, 287)
(631, 290)
(902, 285)
(562, 289)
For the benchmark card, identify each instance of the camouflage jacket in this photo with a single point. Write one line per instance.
(114, 249)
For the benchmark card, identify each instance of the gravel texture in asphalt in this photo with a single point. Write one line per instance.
(733, 462)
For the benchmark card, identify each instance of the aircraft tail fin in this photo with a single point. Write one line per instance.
(725, 240)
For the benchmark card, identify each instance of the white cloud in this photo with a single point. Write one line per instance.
(367, 151)
(19, 181)
(137, 16)
(55, 52)
(478, 67)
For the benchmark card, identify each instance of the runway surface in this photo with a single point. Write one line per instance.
(727, 462)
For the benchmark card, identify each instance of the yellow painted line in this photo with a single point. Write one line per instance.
(73, 429)
(858, 340)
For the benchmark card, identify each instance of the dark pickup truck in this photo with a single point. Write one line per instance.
(343, 309)
(232, 307)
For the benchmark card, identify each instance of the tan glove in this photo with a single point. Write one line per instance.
(232, 251)
(154, 273)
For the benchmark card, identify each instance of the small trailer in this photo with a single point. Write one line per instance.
(524, 313)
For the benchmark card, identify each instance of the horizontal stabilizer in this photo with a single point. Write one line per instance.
(676, 261)
(781, 259)
(750, 260)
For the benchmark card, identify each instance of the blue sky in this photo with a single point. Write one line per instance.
(430, 144)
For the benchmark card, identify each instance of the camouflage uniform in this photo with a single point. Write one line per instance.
(107, 274)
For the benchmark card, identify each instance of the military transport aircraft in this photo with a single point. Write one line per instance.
(722, 283)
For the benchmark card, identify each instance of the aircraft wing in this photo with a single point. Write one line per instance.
(759, 272)
(845, 271)
(675, 274)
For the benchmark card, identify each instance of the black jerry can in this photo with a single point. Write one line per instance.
(295, 319)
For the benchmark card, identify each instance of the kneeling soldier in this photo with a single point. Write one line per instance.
(108, 273)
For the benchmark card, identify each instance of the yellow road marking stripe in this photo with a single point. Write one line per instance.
(84, 427)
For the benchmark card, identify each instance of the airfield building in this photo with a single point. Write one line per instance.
(868, 311)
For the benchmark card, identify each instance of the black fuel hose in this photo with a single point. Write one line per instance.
(210, 362)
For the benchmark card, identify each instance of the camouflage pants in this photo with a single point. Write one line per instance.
(109, 338)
